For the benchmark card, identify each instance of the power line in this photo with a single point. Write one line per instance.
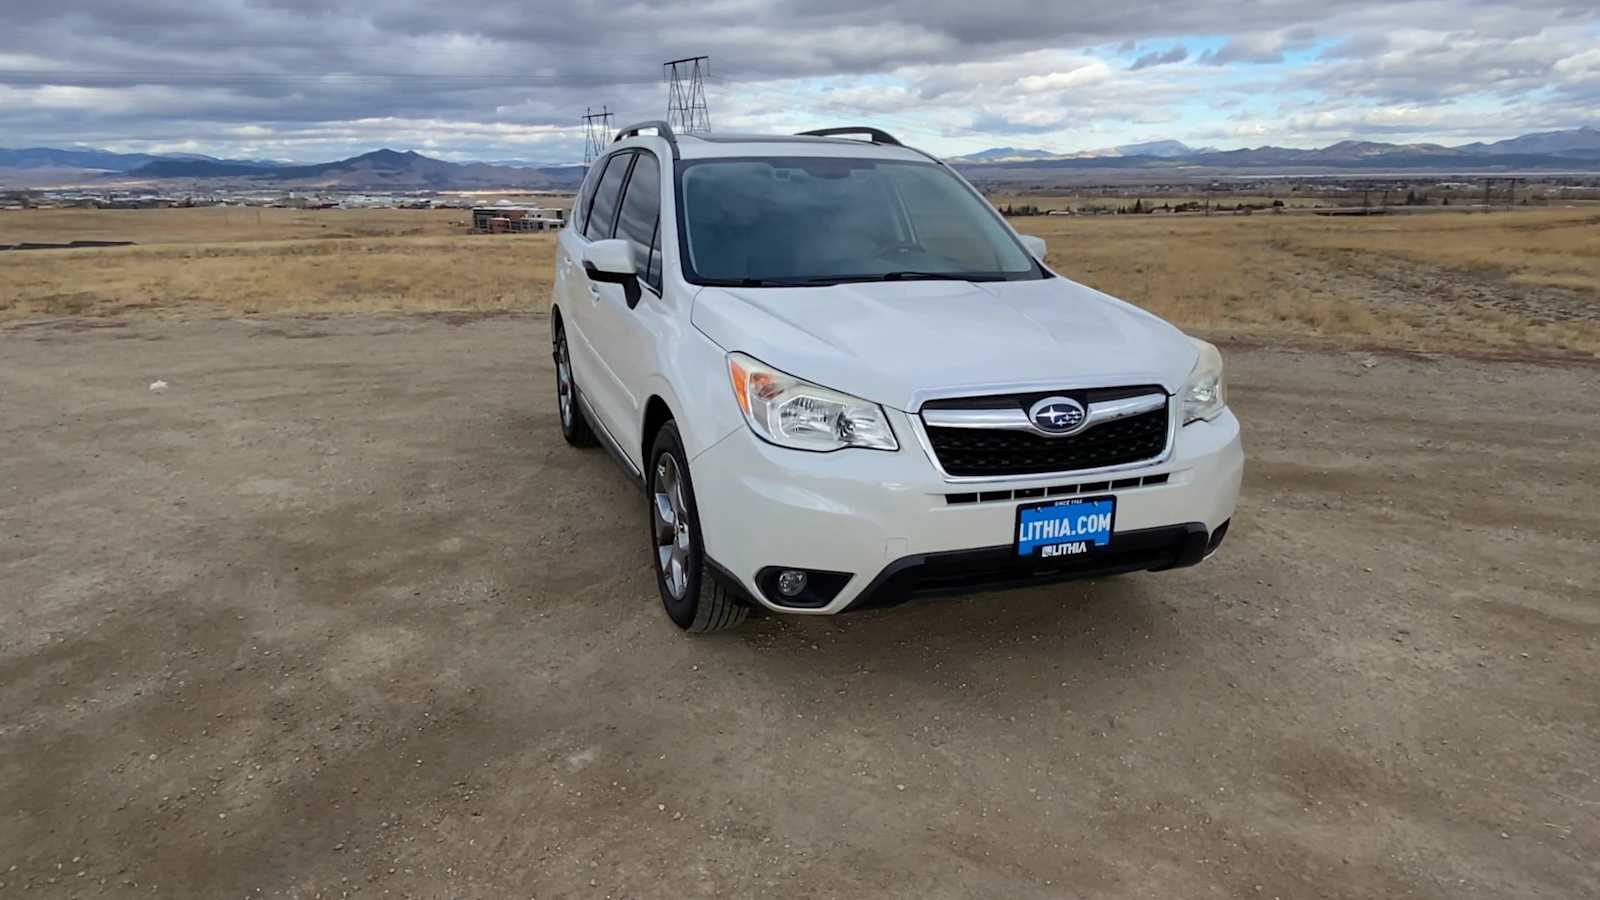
(686, 94)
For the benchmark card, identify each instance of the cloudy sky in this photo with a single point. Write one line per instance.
(508, 79)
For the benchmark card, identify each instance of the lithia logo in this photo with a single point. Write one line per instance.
(1056, 415)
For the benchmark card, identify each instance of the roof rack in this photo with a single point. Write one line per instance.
(878, 135)
(661, 127)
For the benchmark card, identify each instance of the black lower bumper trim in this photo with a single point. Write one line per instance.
(961, 571)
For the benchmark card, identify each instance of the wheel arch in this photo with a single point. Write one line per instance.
(556, 324)
(657, 412)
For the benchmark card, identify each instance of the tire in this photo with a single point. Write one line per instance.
(574, 427)
(693, 595)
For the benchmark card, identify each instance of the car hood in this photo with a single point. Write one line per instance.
(901, 343)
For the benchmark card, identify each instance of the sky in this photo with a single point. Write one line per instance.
(312, 80)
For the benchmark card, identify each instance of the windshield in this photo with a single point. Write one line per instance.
(820, 220)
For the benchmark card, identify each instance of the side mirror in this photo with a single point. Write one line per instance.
(612, 262)
(1035, 245)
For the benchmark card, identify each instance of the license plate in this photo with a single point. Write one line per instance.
(1057, 529)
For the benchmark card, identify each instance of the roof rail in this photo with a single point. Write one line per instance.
(661, 127)
(878, 135)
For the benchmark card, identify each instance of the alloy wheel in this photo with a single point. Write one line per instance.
(564, 382)
(670, 515)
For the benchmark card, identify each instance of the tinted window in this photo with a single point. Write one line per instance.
(580, 206)
(641, 207)
(819, 219)
(604, 208)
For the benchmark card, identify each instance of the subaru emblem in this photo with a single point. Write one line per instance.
(1056, 416)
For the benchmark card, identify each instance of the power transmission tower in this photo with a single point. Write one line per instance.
(596, 133)
(686, 94)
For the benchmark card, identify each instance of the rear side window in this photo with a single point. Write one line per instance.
(606, 194)
(641, 208)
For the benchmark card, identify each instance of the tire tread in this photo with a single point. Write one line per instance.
(718, 606)
(580, 434)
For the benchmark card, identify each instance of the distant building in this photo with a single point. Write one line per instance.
(515, 219)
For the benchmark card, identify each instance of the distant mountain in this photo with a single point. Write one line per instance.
(381, 169)
(1583, 141)
(1538, 149)
(1157, 148)
(1015, 154)
(54, 158)
(1000, 154)
(196, 168)
(105, 160)
(1576, 150)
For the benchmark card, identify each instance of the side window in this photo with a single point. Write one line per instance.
(641, 208)
(604, 208)
(580, 204)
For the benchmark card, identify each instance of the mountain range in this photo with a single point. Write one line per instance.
(1574, 150)
(1160, 149)
(1577, 148)
(55, 158)
(381, 169)
(392, 169)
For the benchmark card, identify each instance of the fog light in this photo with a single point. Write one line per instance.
(791, 582)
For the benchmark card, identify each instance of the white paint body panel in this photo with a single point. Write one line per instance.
(900, 343)
(858, 511)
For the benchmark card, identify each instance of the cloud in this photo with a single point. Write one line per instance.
(507, 78)
(1259, 49)
(1160, 58)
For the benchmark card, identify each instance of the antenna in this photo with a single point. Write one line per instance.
(686, 94)
(596, 133)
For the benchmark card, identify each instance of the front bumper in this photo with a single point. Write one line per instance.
(883, 517)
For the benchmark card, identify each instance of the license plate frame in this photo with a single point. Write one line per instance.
(1072, 545)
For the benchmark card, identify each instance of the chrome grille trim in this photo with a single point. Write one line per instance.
(919, 429)
(1017, 419)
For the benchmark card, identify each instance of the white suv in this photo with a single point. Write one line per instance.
(841, 379)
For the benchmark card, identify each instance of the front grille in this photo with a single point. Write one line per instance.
(984, 452)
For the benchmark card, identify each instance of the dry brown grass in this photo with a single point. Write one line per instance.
(218, 261)
(1524, 282)
(225, 224)
(1517, 281)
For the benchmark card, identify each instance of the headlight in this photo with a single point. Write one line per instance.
(793, 413)
(1205, 394)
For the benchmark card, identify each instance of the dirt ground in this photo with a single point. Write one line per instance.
(337, 614)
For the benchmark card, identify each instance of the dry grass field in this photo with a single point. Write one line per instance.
(1522, 282)
(218, 261)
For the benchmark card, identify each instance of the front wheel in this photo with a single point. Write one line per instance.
(694, 597)
(574, 427)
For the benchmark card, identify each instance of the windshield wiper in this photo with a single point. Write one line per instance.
(824, 280)
(933, 276)
(754, 282)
